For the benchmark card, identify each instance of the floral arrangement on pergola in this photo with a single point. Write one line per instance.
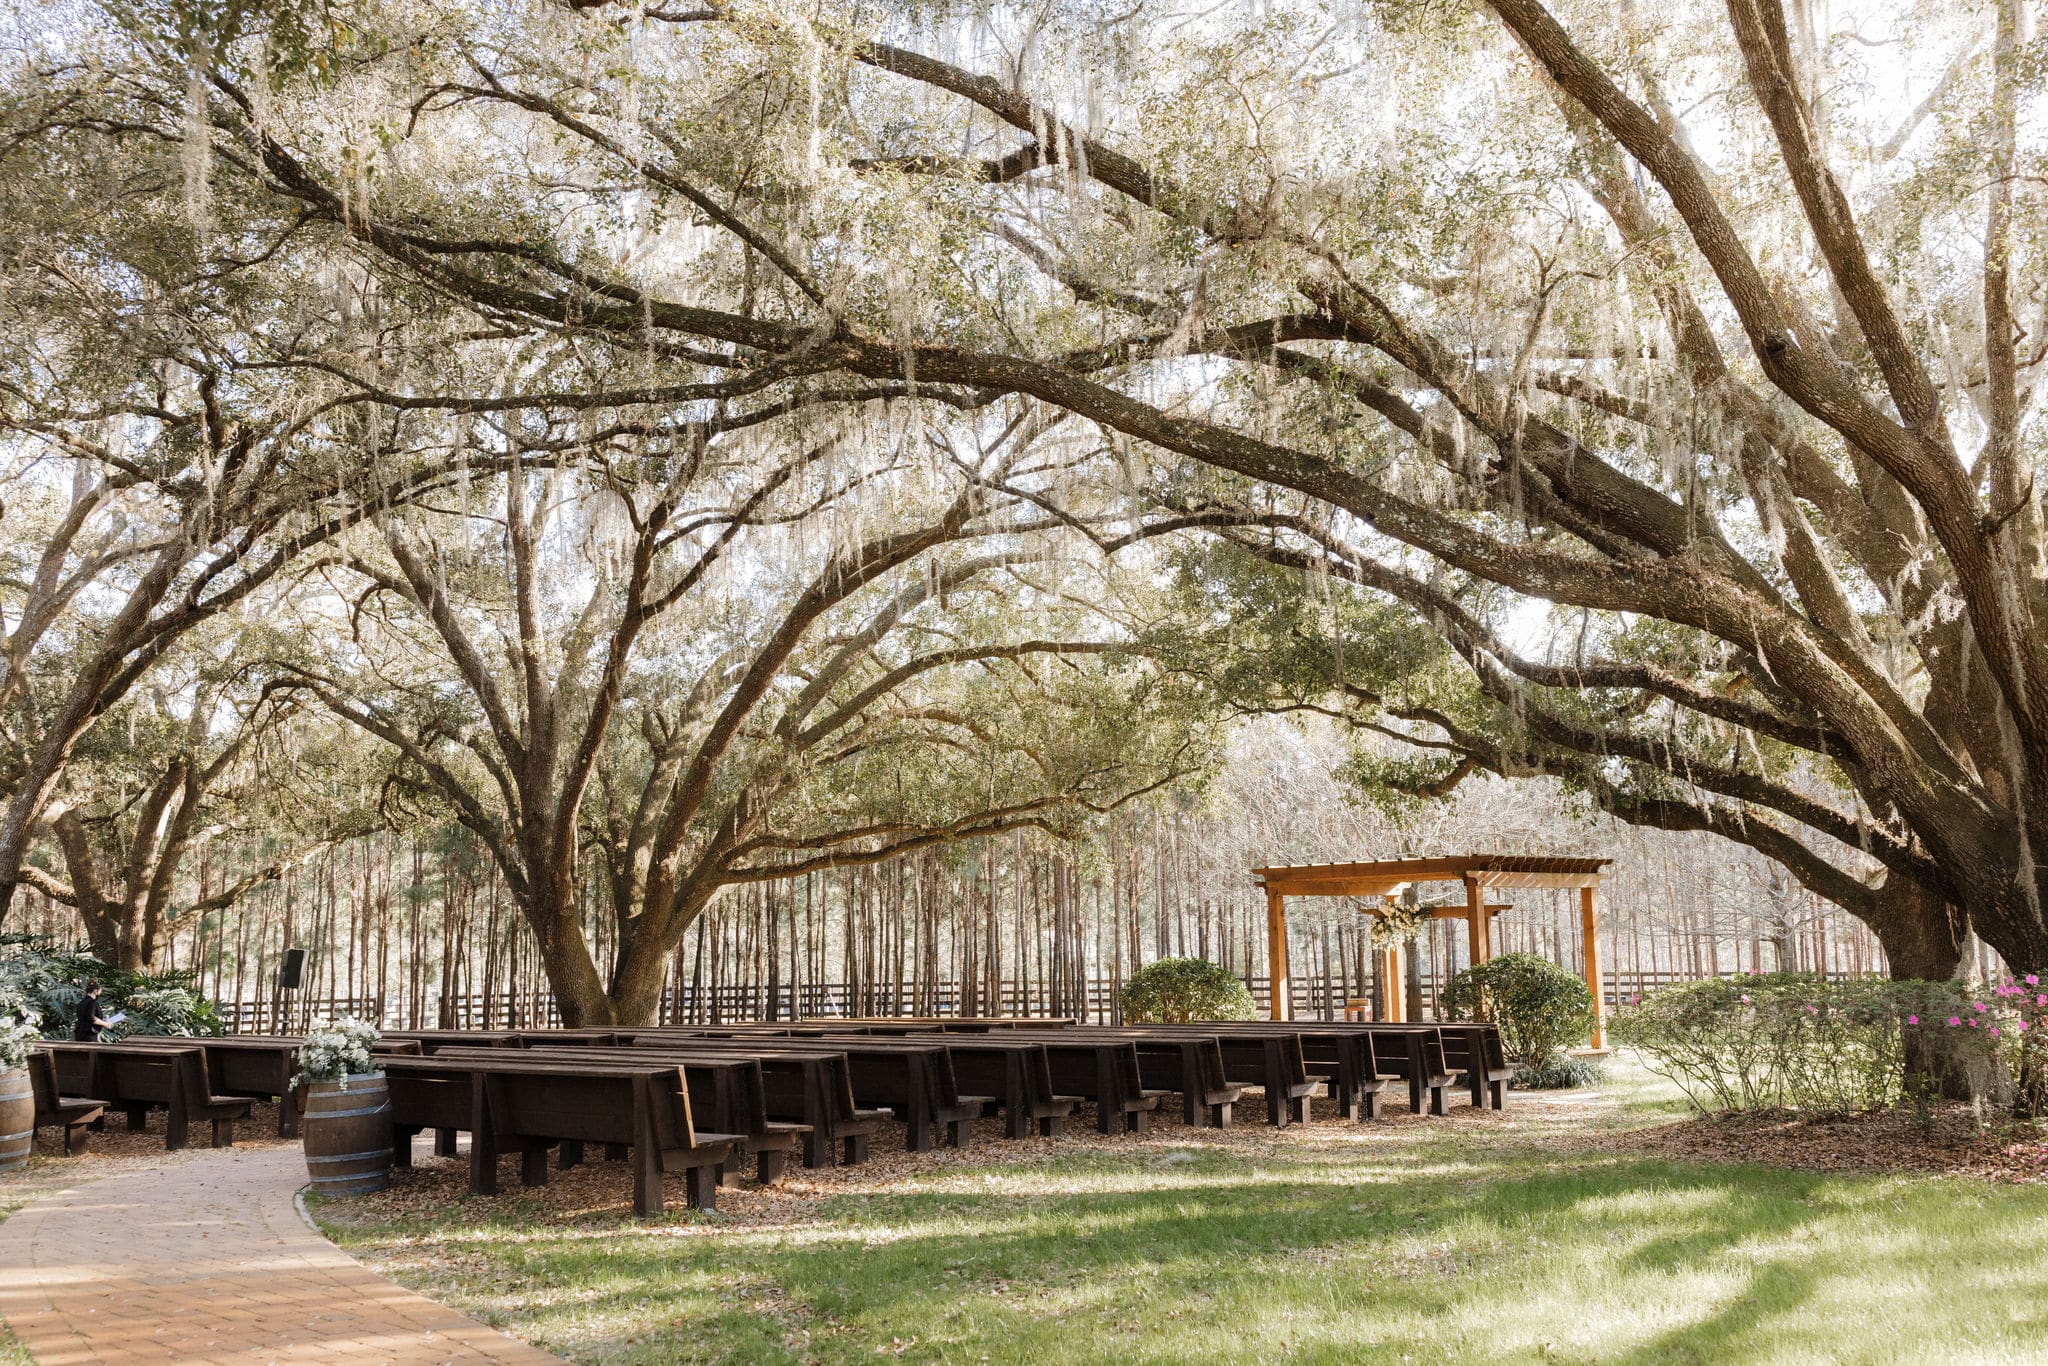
(1376, 884)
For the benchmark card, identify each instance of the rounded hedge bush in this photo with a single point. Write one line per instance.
(1541, 1009)
(1177, 990)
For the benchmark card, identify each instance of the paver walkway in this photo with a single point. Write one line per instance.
(205, 1258)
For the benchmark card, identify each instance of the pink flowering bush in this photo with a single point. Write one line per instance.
(1770, 1040)
(2010, 1017)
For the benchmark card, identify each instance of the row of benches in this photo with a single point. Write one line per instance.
(764, 1093)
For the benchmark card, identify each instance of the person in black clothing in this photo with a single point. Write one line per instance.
(89, 1022)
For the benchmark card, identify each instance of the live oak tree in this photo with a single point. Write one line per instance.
(169, 771)
(647, 668)
(1686, 326)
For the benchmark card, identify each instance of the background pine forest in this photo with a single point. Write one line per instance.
(414, 928)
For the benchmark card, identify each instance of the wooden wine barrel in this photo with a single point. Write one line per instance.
(17, 1118)
(348, 1135)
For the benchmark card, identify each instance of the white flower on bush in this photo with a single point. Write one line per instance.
(336, 1049)
(18, 1039)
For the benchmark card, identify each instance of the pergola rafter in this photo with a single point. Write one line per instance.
(1378, 882)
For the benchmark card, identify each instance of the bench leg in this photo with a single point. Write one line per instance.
(1299, 1105)
(1500, 1093)
(617, 1152)
(1016, 1121)
(960, 1132)
(76, 1137)
(444, 1143)
(176, 1133)
(1048, 1126)
(1369, 1106)
(771, 1164)
(856, 1149)
(533, 1164)
(701, 1189)
(223, 1133)
(1276, 1106)
(1415, 1097)
(401, 1147)
(647, 1180)
(1436, 1100)
(138, 1118)
(1220, 1115)
(817, 1148)
(1109, 1119)
(919, 1125)
(483, 1164)
(571, 1154)
(1141, 1121)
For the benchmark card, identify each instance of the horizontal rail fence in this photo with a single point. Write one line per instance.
(1314, 998)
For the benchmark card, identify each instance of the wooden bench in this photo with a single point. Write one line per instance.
(912, 1078)
(1414, 1053)
(801, 1082)
(1189, 1064)
(529, 1105)
(259, 1067)
(1475, 1049)
(139, 1077)
(1342, 1060)
(726, 1093)
(77, 1114)
(1100, 1069)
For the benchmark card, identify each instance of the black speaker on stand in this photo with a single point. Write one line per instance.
(291, 971)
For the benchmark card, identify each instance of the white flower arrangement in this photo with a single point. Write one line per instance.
(18, 1039)
(1394, 925)
(335, 1050)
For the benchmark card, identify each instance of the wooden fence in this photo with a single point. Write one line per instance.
(1093, 1001)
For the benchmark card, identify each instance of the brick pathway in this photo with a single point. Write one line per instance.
(205, 1258)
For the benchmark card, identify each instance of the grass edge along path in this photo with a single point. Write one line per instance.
(1415, 1241)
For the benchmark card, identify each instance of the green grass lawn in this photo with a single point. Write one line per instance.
(1423, 1242)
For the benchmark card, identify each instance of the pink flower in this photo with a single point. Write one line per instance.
(1973, 1024)
(2033, 979)
(2041, 1000)
(1953, 1021)
(1977, 1006)
(2019, 1024)
(1912, 1019)
(1813, 1010)
(1745, 998)
(1994, 1031)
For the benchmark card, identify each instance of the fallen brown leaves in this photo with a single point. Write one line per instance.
(1953, 1141)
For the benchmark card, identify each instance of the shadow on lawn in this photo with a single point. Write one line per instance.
(1489, 1257)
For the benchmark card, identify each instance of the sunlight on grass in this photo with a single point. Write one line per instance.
(1428, 1245)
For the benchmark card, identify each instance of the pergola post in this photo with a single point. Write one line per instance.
(1276, 955)
(1478, 922)
(1589, 933)
(1390, 975)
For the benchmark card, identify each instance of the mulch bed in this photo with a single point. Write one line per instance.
(1953, 1141)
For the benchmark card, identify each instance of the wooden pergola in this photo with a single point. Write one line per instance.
(1382, 881)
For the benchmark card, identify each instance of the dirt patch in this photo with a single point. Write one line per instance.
(1953, 1141)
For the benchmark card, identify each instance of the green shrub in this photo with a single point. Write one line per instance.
(1559, 1072)
(1177, 990)
(48, 983)
(1541, 1009)
(1784, 1039)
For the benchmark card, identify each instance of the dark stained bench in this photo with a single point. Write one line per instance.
(914, 1078)
(259, 1067)
(1475, 1049)
(802, 1081)
(1103, 1070)
(1190, 1064)
(1340, 1058)
(519, 1102)
(139, 1077)
(726, 1093)
(77, 1114)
